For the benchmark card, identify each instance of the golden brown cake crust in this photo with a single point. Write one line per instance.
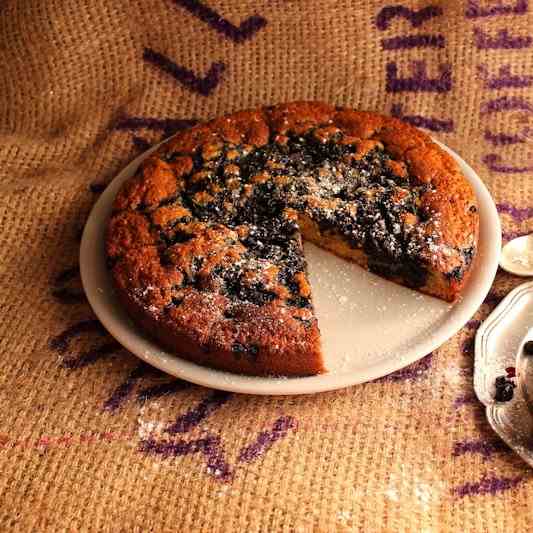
(204, 242)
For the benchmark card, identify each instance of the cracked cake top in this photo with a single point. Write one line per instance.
(205, 240)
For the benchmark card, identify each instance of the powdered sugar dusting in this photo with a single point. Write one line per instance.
(358, 313)
(148, 428)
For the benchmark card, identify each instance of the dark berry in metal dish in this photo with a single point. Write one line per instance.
(528, 348)
(504, 389)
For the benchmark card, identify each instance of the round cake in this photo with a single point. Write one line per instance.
(205, 241)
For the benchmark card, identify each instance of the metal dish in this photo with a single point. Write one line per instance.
(498, 348)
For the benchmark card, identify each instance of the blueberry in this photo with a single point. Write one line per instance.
(250, 352)
(528, 348)
(504, 389)
(299, 301)
(456, 274)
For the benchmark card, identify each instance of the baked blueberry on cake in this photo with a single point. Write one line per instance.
(205, 241)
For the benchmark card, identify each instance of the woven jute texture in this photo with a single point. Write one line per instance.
(90, 439)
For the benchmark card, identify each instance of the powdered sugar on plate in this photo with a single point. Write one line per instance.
(370, 327)
(358, 312)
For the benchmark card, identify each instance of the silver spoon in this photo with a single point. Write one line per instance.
(517, 256)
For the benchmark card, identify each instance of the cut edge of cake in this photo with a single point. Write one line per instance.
(299, 355)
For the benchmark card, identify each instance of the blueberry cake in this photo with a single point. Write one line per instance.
(205, 241)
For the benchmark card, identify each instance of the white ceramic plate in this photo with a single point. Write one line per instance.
(370, 327)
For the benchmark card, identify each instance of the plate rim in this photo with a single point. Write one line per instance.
(150, 352)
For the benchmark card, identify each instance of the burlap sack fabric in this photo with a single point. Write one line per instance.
(92, 440)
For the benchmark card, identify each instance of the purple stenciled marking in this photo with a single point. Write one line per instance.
(246, 30)
(465, 399)
(66, 275)
(192, 418)
(416, 18)
(503, 39)
(420, 121)
(486, 448)
(520, 214)
(467, 371)
(505, 78)
(204, 86)
(473, 324)
(68, 296)
(91, 356)
(216, 464)
(61, 342)
(121, 393)
(78, 233)
(419, 81)
(486, 485)
(167, 125)
(209, 447)
(405, 42)
(97, 187)
(510, 235)
(412, 372)
(474, 10)
(151, 123)
(162, 389)
(493, 162)
(467, 346)
(266, 439)
(493, 299)
(140, 143)
(506, 103)
(502, 139)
